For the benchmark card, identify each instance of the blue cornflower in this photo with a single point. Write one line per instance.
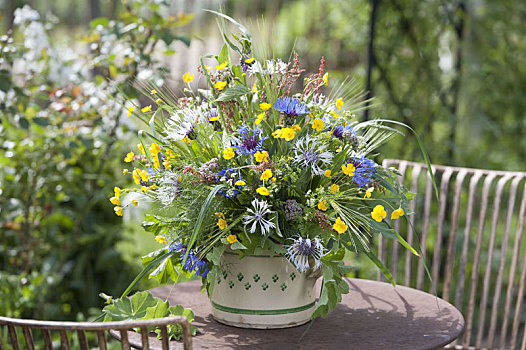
(364, 170)
(343, 132)
(250, 140)
(192, 263)
(290, 106)
(230, 177)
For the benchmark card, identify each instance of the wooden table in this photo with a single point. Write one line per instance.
(374, 315)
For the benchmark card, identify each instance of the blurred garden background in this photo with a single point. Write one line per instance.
(452, 69)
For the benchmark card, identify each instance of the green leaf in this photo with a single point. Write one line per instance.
(237, 245)
(102, 21)
(133, 308)
(162, 309)
(223, 55)
(184, 39)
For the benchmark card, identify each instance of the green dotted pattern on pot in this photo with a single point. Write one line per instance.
(264, 286)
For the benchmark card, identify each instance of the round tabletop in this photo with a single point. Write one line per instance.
(374, 315)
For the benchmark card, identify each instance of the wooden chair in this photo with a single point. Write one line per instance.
(472, 242)
(121, 330)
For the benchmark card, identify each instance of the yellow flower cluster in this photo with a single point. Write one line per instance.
(188, 78)
(267, 174)
(259, 118)
(161, 239)
(317, 124)
(129, 157)
(348, 169)
(220, 85)
(116, 201)
(285, 133)
(221, 222)
(228, 153)
(154, 151)
(139, 174)
(261, 156)
(339, 226)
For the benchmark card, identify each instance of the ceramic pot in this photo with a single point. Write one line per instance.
(260, 291)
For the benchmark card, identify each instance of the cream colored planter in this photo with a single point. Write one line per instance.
(261, 291)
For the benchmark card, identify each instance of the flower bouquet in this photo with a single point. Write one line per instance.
(261, 183)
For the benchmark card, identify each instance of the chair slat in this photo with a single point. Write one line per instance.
(187, 336)
(124, 340)
(144, 335)
(12, 337)
(519, 311)
(48, 344)
(28, 335)
(476, 262)
(487, 275)
(101, 339)
(394, 259)
(435, 267)
(408, 255)
(502, 263)
(425, 231)
(450, 253)
(164, 338)
(83, 341)
(64, 341)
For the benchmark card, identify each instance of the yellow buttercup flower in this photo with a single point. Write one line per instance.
(141, 148)
(118, 211)
(144, 175)
(144, 189)
(348, 169)
(188, 78)
(146, 109)
(207, 68)
(240, 183)
(326, 79)
(339, 150)
(231, 239)
(263, 191)
(323, 205)
(153, 92)
(228, 153)
(130, 110)
(368, 192)
(317, 124)
(339, 103)
(186, 140)
(250, 60)
(161, 239)
(378, 213)
(117, 191)
(261, 156)
(136, 176)
(167, 164)
(327, 173)
(397, 213)
(267, 174)
(296, 127)
(222, 65)
(158, 100)
(155, 149)
(339, 226)
(273, 179)
(222, 223)
(115, 200)
(259, 118)
(124, 171)
(135, 202)
(153, 187)
(129, 157)
(254, 88)
(285, 133)
(265, 106)
(214, 119)
(220, 85)
(220, 215)
(334, 188)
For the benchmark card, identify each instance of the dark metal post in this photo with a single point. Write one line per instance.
(370, 56)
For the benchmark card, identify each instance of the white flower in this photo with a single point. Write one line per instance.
(308, 153)
(256, 216)
(301, 249)
(273, 67)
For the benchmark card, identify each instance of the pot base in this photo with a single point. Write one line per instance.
(263, 321)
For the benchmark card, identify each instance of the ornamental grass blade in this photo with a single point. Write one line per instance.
(422, 150)
(197, 228)
(146, 269)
